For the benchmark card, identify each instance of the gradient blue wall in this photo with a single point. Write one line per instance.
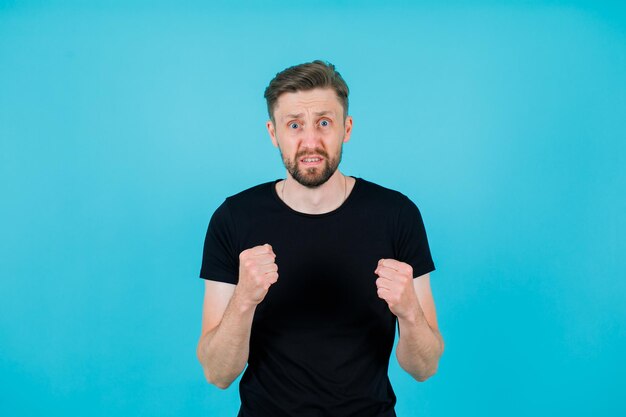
(123, 125)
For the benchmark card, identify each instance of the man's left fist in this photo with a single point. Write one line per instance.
(395, 286)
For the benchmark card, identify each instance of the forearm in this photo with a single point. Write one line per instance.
(419, 347)
(223, 352)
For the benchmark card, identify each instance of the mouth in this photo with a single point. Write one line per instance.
(311, 160)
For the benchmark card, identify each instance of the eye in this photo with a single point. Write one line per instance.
(294, 125)
(324, 123)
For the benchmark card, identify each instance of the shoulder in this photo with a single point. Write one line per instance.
(387, 203)
(378, 194)
(251, 195)
(241, 207)
(249, 202)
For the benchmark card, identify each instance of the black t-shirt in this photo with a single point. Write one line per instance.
(321, 338)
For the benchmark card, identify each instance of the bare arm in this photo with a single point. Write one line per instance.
(227, 316)
(420, 345)
(410, 299)
(223, 346)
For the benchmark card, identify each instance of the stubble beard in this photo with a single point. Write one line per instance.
(312, 177)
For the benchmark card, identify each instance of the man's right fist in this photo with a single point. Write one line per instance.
(257, 271)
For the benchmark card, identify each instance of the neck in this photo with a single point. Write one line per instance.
(327, 197)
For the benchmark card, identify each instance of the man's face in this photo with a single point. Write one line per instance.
(309, 130)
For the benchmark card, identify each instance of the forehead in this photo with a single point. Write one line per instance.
(317, 100)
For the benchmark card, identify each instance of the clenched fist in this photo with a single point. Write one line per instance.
(257, 271)
(395, 286)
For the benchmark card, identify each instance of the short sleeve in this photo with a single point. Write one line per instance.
(220, 260)
(411, 240)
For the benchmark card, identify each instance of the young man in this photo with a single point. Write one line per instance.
(307, 277)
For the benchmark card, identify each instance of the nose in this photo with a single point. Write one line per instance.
(310, 136)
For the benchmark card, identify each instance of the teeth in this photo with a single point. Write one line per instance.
(311, 159)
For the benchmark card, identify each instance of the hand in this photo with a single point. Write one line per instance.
(257, 272)
(395, 286)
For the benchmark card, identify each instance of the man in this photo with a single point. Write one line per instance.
(307, 277)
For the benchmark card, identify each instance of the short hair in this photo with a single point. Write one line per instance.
(303, 77)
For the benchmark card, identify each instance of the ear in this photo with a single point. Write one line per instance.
(272, 131)
(347, 129)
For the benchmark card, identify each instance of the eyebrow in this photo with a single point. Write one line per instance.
(318, 114)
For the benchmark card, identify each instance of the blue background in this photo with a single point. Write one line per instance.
(124, 124)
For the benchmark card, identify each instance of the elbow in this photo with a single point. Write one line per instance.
(221, 383)
(432, 370)
(421, 377)
(429, 367)
(420, 373)
(211, 378)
